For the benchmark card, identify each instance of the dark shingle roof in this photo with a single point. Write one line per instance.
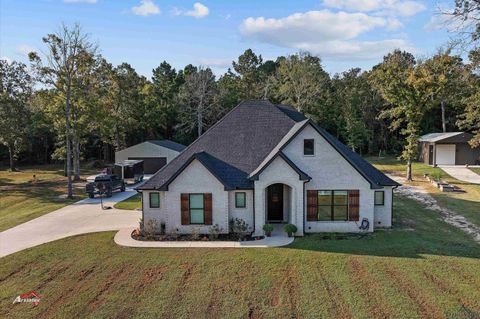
(169, 144)
(241, 141)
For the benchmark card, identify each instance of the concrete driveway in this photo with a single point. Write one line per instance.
(461, 173)
(85, 216)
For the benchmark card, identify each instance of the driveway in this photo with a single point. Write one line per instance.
(85, 216)
(461, 173)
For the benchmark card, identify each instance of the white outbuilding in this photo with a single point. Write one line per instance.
(155, 154)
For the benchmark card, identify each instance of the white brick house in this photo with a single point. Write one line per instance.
(267, 163)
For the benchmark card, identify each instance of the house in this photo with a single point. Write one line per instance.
(154, 154)
(448, 149)
(266, 163)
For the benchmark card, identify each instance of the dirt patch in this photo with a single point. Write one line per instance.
(419, 298)
(150, 276)
(420, 195)
(367, 284)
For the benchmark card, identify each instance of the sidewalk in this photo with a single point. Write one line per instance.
(124, 238)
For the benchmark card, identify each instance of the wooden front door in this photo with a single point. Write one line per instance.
(275, 202)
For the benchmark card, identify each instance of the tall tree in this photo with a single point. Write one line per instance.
(67, 49)
(442, 78)
(466, 16)
(395, 78)
(197, 99)
(15, 92)
(248, 68)
(302, 81)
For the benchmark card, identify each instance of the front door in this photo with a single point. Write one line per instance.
(275, 202)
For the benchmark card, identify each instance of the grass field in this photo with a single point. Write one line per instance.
(421, 268)
(466, 204)
(24, 198)
(131, 203)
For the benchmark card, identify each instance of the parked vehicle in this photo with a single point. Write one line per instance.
(105, 184)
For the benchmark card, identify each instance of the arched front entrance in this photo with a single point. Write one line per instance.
(278, 203)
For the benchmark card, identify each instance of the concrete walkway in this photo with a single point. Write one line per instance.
(124, 238)
(85, 216)
(461, 173)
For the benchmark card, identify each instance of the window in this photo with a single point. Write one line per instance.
(379, 198)
(154, 200)
(308, 147)
(196, 208)
(240, 200)
(332, 205)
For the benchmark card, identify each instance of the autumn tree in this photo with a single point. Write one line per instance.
(395, 78)
(66, 51)
(15, 92)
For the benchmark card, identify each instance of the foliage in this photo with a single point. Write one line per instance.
(268, 228)
(290, 229)
(215, 231)
(239, 228)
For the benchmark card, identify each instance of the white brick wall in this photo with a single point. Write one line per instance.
(243, 213)
(194, 179)
(383, 214)
(330, 171)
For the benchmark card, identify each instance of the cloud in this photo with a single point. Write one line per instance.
(326, 33)
(199, 11)
(385, 7)
(146, 8)
(25, 49)
(80, 1)
(219, 63)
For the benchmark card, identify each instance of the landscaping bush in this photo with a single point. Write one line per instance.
(215, 230)
(239, 228)
(268, 228)
(290, 229)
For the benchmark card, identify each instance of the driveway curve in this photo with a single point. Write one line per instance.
(85, 216)
(462, 173)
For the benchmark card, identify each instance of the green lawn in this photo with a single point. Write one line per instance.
(421, 268)
(24, 198)
(466, 204)
(131, 203)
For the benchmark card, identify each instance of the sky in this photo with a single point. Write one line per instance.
(143, 33)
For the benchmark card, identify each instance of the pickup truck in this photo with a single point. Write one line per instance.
(105, 184)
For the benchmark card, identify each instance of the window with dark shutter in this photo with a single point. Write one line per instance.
(332, 205)
(354, 205)
(184, 206)
(311, 205)
(208, 209)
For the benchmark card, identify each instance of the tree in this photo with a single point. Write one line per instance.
(395, 79)
(466, 15)
(248, 68)
(67, 49)
(15, 92)
(302, 81)
(441, 77)
(470, 119)
(197, 100)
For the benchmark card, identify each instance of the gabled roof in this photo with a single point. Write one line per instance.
(303, 176)
(169, 144)
(231, 177)
(246, 139)
(438, 137)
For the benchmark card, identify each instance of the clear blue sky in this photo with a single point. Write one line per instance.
(344, 33)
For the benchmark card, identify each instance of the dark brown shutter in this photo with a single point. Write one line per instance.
(312, 205)
(207, 206)
(184, 206)
(354, 205)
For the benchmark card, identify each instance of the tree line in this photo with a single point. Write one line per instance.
(71, 105)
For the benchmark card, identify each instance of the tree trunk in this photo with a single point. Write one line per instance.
(444, 123)
(67, 140)
(12, 161)
(409, 170)
(76, 159)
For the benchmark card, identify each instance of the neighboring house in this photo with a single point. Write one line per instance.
(267, 163)
(154, 154)
(448, 149)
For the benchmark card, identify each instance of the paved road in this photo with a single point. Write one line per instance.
(462, 173)
(85, 216)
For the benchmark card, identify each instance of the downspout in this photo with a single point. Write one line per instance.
(253, 195)
(303, 204)
(394, 187)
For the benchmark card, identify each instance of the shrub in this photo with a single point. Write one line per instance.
(215, 231)
(239, 228)
(195, 234)
(436, 175)
(268, 228)
(290, 229)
